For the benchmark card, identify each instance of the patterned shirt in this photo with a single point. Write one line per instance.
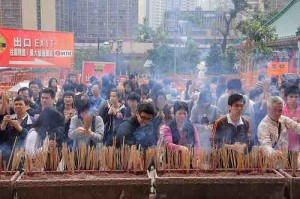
(273, 135)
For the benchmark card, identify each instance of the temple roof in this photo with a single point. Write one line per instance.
(287, 20)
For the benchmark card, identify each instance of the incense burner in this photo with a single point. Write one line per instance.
(219, 184)
(7, 180)
(83, 185)
(292, 183)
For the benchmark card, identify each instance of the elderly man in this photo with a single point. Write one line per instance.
(272, 130)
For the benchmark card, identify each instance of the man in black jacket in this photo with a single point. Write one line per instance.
(14, 128)
(145, 112)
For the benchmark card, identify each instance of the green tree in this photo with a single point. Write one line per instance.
(195, 20)
(190, 57)
(160, 37)
(144, 32)
(229, 16)
(256, 32)
(163, 59)
(214, 59)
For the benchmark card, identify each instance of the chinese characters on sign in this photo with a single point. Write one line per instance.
(24, 48)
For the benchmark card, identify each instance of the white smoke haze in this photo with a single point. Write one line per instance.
(178, 40)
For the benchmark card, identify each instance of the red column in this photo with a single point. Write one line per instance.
(292, 61)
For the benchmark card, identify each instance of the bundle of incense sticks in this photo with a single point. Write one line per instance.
(87, 122)
(28, 164)
(186, 160)
(150, 155)
(102, 158)
(65, 156)
(89, 158)
(294, 162)
(81, 155)
(240, 162)
(71, 161)
(158, 158)
(39, 161)
(224, 156)
(95, 160)
(5, 106)
(111, 157)
(133, 158)
(19, 153)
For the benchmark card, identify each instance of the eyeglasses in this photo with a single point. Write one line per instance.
(144, 118)
(238, 105)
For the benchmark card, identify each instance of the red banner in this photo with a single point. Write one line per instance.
(98, 69)
(36, 49)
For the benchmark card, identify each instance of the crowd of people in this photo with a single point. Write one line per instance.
(152, 114)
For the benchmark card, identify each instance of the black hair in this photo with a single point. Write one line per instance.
(134, 96)
(115, 90)
(50, 91)
(68, 86)
(36, 82)
(160, 93)
(131, 76)
(274, 81)
(105, 80)
(49, 121)
(70, 75)
(204, 95)
(234, 84)
(50, 82)
(69, 93)
(146, 107)
(235, 98)
(97, 84)
(151, 83)
(93, 79)
(22, 98)
(180, 105)
(291, 90)
(144, 89)
(157, 87)
(81, 88)
(128, 82)
(254, 93)
(188, 128)
(83, 105)
(25, 89)
(261, 77)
